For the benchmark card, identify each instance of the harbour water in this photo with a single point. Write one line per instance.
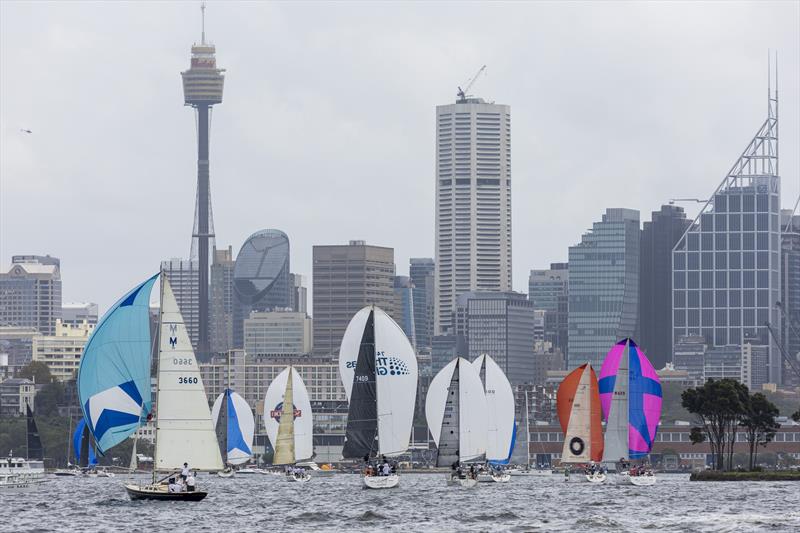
(421, 503)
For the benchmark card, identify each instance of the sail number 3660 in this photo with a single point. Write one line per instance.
(182, 380)
(181, 361)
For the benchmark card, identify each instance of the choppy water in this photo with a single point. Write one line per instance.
(421, 503)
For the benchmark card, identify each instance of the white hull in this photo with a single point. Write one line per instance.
(381, 482)
(17, 473)
(298, 478)
(485, 477)
(465, 482)
(644, 480)
(225, 473)
(595, 478)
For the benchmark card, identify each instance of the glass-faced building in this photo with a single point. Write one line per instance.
(603, 287)
(260, 278)
(726, 267)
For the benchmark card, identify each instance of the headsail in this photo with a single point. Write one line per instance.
(578, 404)
(240, 426)
(362, 415)
(500, 404)
(302, 417)
(35, 451)
(631, 396)
(284, 445)
(82, 445)
(114, 373)
(184, 430)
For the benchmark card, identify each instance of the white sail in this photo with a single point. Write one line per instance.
(616, 437)
(396, 383)
(240, 436)
(184, 430)
(303, 417)
(580, 423)
(348, 351)
(501, 408)
(472, 411)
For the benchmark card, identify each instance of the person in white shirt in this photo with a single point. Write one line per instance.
(185, 471)
(190, 482)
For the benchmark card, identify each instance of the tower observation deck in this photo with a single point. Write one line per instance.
(202, 88)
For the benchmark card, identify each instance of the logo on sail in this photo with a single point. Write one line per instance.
(276, 413)
(392, 366)
(173, 341)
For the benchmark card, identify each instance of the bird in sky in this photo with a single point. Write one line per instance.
(23, 130)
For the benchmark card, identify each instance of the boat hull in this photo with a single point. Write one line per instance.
(596, 478)
(461, 482)
(225, 473)
(150, 492)
(381, 482)
(639, 481)
(298, 478)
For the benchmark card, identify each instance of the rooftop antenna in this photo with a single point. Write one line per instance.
(203, 18)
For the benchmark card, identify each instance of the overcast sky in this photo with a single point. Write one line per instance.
(326, 130)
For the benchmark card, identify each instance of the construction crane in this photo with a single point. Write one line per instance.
(791, 363)
(462, 93)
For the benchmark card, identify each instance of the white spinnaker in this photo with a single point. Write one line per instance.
(616, 437)
(247, 426)
(436, 399)
(473, 414)
(348, 351)
(396, 383)
(500, 406)
(184, 430)
(579, 428)
(303, 422)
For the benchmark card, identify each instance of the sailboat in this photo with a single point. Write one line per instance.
(502, 428)
(289, 422)
(631, 396)
(85, 455)
(378, 368)
(71, 470)
(458, 419)
(114, 389)
(237, 431)
(579, 412)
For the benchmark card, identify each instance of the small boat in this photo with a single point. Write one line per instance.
(102, 472)
(493, 476)
(642, 480)
(235, 426)
(114, 388)
(378, 368)
(457, 416)
(70, 471)
(19, 473)
(579, 413)
(631, 398)
(226, 473)
(315, 471)
(289, 422)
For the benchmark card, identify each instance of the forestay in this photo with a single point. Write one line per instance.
(114, 374)
(184, 430)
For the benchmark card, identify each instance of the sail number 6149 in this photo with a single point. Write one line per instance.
(186, 380)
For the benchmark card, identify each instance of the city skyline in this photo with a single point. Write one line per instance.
(317, 139)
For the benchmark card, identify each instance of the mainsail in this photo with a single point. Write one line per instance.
(82, 445)
(380, 383)
(631, 395)
(184, 430)
(239, 426)
(284, 397)
(114, 373)
(578, 405)
(35, 451)
(500, 404)
(456, 411)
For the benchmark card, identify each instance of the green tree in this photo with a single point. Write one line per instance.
(718, 406)
(36, 371)
(759, 423)
(796, 416)
(49, 398)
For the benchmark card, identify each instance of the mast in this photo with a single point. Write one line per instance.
(527, 430)
(158, 367)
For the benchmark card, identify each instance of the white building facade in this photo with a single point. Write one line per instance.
(62, 352)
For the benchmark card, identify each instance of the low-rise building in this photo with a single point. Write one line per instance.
(62, 352)
(14, 394)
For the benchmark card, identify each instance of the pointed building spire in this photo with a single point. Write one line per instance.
(203, 23)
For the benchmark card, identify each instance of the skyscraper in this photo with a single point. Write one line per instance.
(183, 278)
(299, 293)
(603, 286)
(659, 236)
(30, 293)
(790, 291)
(473, 202)
(548, 290)
(345, 279)
(222, 300)
(202, 88)
(260, 278)
(726, 267)
(404, 307)
(422, 271)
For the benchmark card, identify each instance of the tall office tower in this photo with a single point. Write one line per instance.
(726, 267)
(183, 278)
(603, 286)
(75, 313)
(345, 279)
(202, 88)
(502, 324)
(422, 271)
(659, 236)
(473, 202)
(548, 290)
(30, 293)
(790, 292)
(404, 307)
(260, 278)
(222, 300)
(299, 293)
